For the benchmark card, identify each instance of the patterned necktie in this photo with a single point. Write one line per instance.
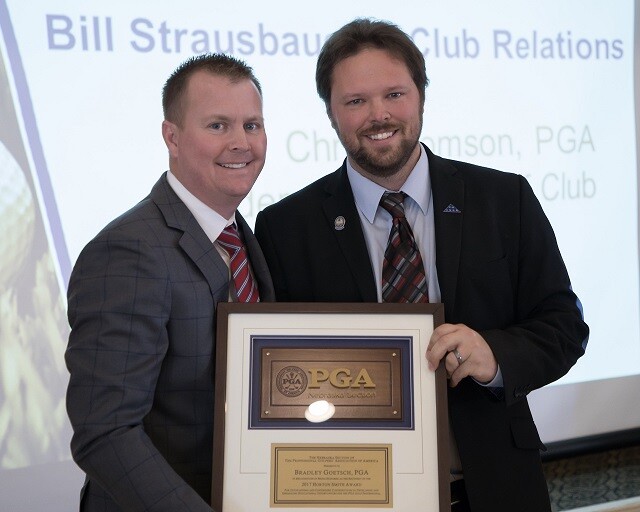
(246, 289)
(403, 275)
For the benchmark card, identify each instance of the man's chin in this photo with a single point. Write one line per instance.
(381, 171)
(381, 165)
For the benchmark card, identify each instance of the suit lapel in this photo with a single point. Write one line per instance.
(344, 222)
(194, 241)
(448, 207)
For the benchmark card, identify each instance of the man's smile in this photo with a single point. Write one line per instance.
(380, 136)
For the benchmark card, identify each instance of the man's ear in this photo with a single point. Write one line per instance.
(170, 136)
(333, 124)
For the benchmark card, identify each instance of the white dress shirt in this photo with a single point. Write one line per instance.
(211, 222)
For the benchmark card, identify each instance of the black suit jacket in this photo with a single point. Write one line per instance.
(500, 272)
(142, 302)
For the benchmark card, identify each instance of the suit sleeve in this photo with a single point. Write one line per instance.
(119, 300)
(549, 334)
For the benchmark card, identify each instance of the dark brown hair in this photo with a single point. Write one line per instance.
(364, 33)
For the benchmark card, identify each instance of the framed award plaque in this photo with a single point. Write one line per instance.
(328, 406)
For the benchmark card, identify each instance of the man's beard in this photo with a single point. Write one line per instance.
(376, 166)
(386, 164)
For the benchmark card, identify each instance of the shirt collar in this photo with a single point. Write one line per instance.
(367, 194)
(211, 222)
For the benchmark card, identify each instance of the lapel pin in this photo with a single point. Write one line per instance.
(339, 223)
(451, 209)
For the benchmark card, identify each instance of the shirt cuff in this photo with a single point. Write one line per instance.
(496, 382)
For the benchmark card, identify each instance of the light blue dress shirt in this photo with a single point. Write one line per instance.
(376, 221)
(376, 224)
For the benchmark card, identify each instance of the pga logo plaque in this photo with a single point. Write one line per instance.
(364, 384)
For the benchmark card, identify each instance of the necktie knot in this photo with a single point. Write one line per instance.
(230, 241)
(393, 202)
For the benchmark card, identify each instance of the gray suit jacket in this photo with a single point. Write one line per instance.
(142, 301)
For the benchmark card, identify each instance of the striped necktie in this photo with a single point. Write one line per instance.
(246, 288)
(403, 275)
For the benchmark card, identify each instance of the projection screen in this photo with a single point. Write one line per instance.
(545, 89)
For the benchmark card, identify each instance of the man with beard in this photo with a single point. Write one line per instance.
(397, 223)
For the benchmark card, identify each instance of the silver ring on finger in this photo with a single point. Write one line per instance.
(458, 356)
